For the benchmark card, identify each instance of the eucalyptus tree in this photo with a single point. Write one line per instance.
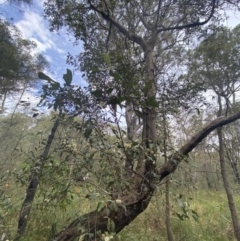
(18, 63)
(142, 26)
(215, 63)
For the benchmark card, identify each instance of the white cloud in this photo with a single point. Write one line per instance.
(40, 3)
(34, 27)
(48, 58)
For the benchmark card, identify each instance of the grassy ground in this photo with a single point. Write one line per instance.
(214, 218)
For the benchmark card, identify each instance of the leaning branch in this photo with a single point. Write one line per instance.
(175, 159)
(125, 213)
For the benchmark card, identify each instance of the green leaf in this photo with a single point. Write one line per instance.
(139, 114)
(115, 75)
(55, 86)
(147, 87)
(100, 206)
(88, 132)
(35, 115)
(180, 216)
(106, 58)
(195, 215)
(97, 93)
(110, 225)
(43, 76)
(152, 102)
(68, 77)
(94, 69)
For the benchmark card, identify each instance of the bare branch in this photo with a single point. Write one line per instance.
(132, 37)
(191, 25)
(158, 11)
(145, 24)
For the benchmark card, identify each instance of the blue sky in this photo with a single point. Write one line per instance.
(30, 21)
(54, 46)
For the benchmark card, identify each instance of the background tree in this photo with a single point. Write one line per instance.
(215, 63)
(19, 64)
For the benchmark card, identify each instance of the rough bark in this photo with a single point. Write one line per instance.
(33, 184)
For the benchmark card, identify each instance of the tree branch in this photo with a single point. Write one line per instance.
(132, 37)
(175, 159)
(132, 207)
(190, 25)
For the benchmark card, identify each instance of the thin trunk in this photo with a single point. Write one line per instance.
(133, 124)
(237, 130)
(3, 102)
(207, 175)
(233, 162)
(33, 184)
(231, 203)
(168, 210)
(168, 213)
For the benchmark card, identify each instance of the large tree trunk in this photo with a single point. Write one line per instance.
(136, 200)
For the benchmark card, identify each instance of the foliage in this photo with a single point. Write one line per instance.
(134, 53)
(18, 63)
(215, 61)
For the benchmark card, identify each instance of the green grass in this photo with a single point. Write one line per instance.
(214, 218)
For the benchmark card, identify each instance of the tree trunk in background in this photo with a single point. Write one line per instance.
(233, 162)
(207, 176)
(165, 149)
(231, 203)
(168, 213)
(33, 184)
(133, 124)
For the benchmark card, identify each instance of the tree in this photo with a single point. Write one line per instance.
(141, 24)
(18, 64)
(215, 63)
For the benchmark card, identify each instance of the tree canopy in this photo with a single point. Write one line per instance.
(19, 64)
(136, 61)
